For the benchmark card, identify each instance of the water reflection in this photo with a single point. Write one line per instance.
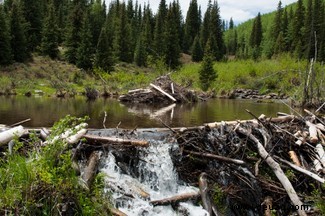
(45, 111)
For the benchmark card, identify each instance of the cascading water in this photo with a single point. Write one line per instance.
(156, 178)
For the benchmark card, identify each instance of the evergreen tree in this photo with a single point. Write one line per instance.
(18, 34)
(49, 44)
(207, 74)
(197, 51)
(104, 58)
(277, 25)
(192, 25)
(97, 19)
(32, 12)
(205, 29)
(73, 38)
(172, 53)
(231, 23)
(298, 29)
(308, 31)
(85, 50)
(285, 30)
(256, 33)
(159, 31)
(140, 53)
(5, 49)
(216, 32)
(147, 29)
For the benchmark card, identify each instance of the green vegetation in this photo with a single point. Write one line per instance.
(41, 180)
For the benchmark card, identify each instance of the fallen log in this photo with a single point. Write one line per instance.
(302, 170)
(217, 157)
(176, 199)
(115, 140)
(294, 158)
(321, 153)
(19, 123)
(312, 132)
(91, 168)
(69, 135)
(8, 135)
(163, 92)
(76, 137)
(276, 169)
(117, 212)
(203, 185)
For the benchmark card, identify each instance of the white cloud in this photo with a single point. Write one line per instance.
(239, 10)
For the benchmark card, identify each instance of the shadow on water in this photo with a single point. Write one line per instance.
(44, 111)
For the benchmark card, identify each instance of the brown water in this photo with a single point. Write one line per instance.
(44, 111)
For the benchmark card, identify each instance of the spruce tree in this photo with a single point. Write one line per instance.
(298, 29)
(205, 29)
(160, 30)
(172, 53)
(19, 45)
(5, 49)
(197, 51)
(257, 32)
(308, 31)
(49, 44)
(231, 23)
(192, 25)
(104, 58)
(85, 50)
(97, 19)
(140, 52)
(216, 32)
(207, 74)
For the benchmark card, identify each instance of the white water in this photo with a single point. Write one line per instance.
(157, 177)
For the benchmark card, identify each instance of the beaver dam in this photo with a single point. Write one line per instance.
(263, 166)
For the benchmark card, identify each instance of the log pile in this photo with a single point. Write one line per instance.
(257, 164)
(162, 91)
(254, 94)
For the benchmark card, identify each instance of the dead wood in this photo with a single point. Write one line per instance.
(116, 140)
(206, 201)
(217, 157)
(8, 135)
(91, 168)
(176, 199)
(277, 170)
(267, 204)
(163, 92)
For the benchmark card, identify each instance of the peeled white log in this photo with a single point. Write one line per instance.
(277, 171)
(76, 137)
(294, 158)
(320, 127)
(8, 135)
(203, 185)
(175, 199)
(312, 132)
(69, 134)
(317, 165)
(44, 133)
(91, 168)
(321, 153)
(163, 92)
(116, 140)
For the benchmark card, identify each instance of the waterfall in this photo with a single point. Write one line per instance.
(156, 177)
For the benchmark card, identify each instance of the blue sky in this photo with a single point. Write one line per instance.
(239, 10)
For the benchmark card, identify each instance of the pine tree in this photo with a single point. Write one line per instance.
(159, 31)
(19, 45)
(205, 29)
(192, 25)
(140, 53)
(32, 12)
(308, 31)
(104, 58)
(197, 51)
(49, 44)
(85, 50)
(172, 53)
(73, 38)
(298, 29)
(97, 20)
(216, 32)
(257, 32)
(231, 23)
(5, 49)
(207, 74)
(277, 25)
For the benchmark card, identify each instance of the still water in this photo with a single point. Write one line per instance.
(44, 111)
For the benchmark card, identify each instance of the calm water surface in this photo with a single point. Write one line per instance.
(45, 111)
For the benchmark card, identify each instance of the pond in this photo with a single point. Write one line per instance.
(44, 111)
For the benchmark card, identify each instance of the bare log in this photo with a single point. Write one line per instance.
(68, 135)
(321, 153)
(268, 206)
(175, 199)
(115, 140)
(91, 168)
(116, 212)
(320, 127)
(294, 158)
(302, 170)
(44, 133)
(163, 92)
(276, 169)
(217, 157)
(21, 122)
(76, 137)
(317, 165)
(203, 185)
(312, 132)
(8, 135)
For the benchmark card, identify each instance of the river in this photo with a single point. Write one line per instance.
(44, 111)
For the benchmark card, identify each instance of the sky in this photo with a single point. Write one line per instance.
(239, 10)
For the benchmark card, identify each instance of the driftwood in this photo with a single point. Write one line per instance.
(116, 140)
(91, 168)
(217, 157)
(76, 137)
(163, 92)
(8, 135)
(116, 212)
(69, 135)
(19, 123)
(302, 170)
(321, 154)
(312, 132)
(203, 185)
(175, 199)
(277, 171)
